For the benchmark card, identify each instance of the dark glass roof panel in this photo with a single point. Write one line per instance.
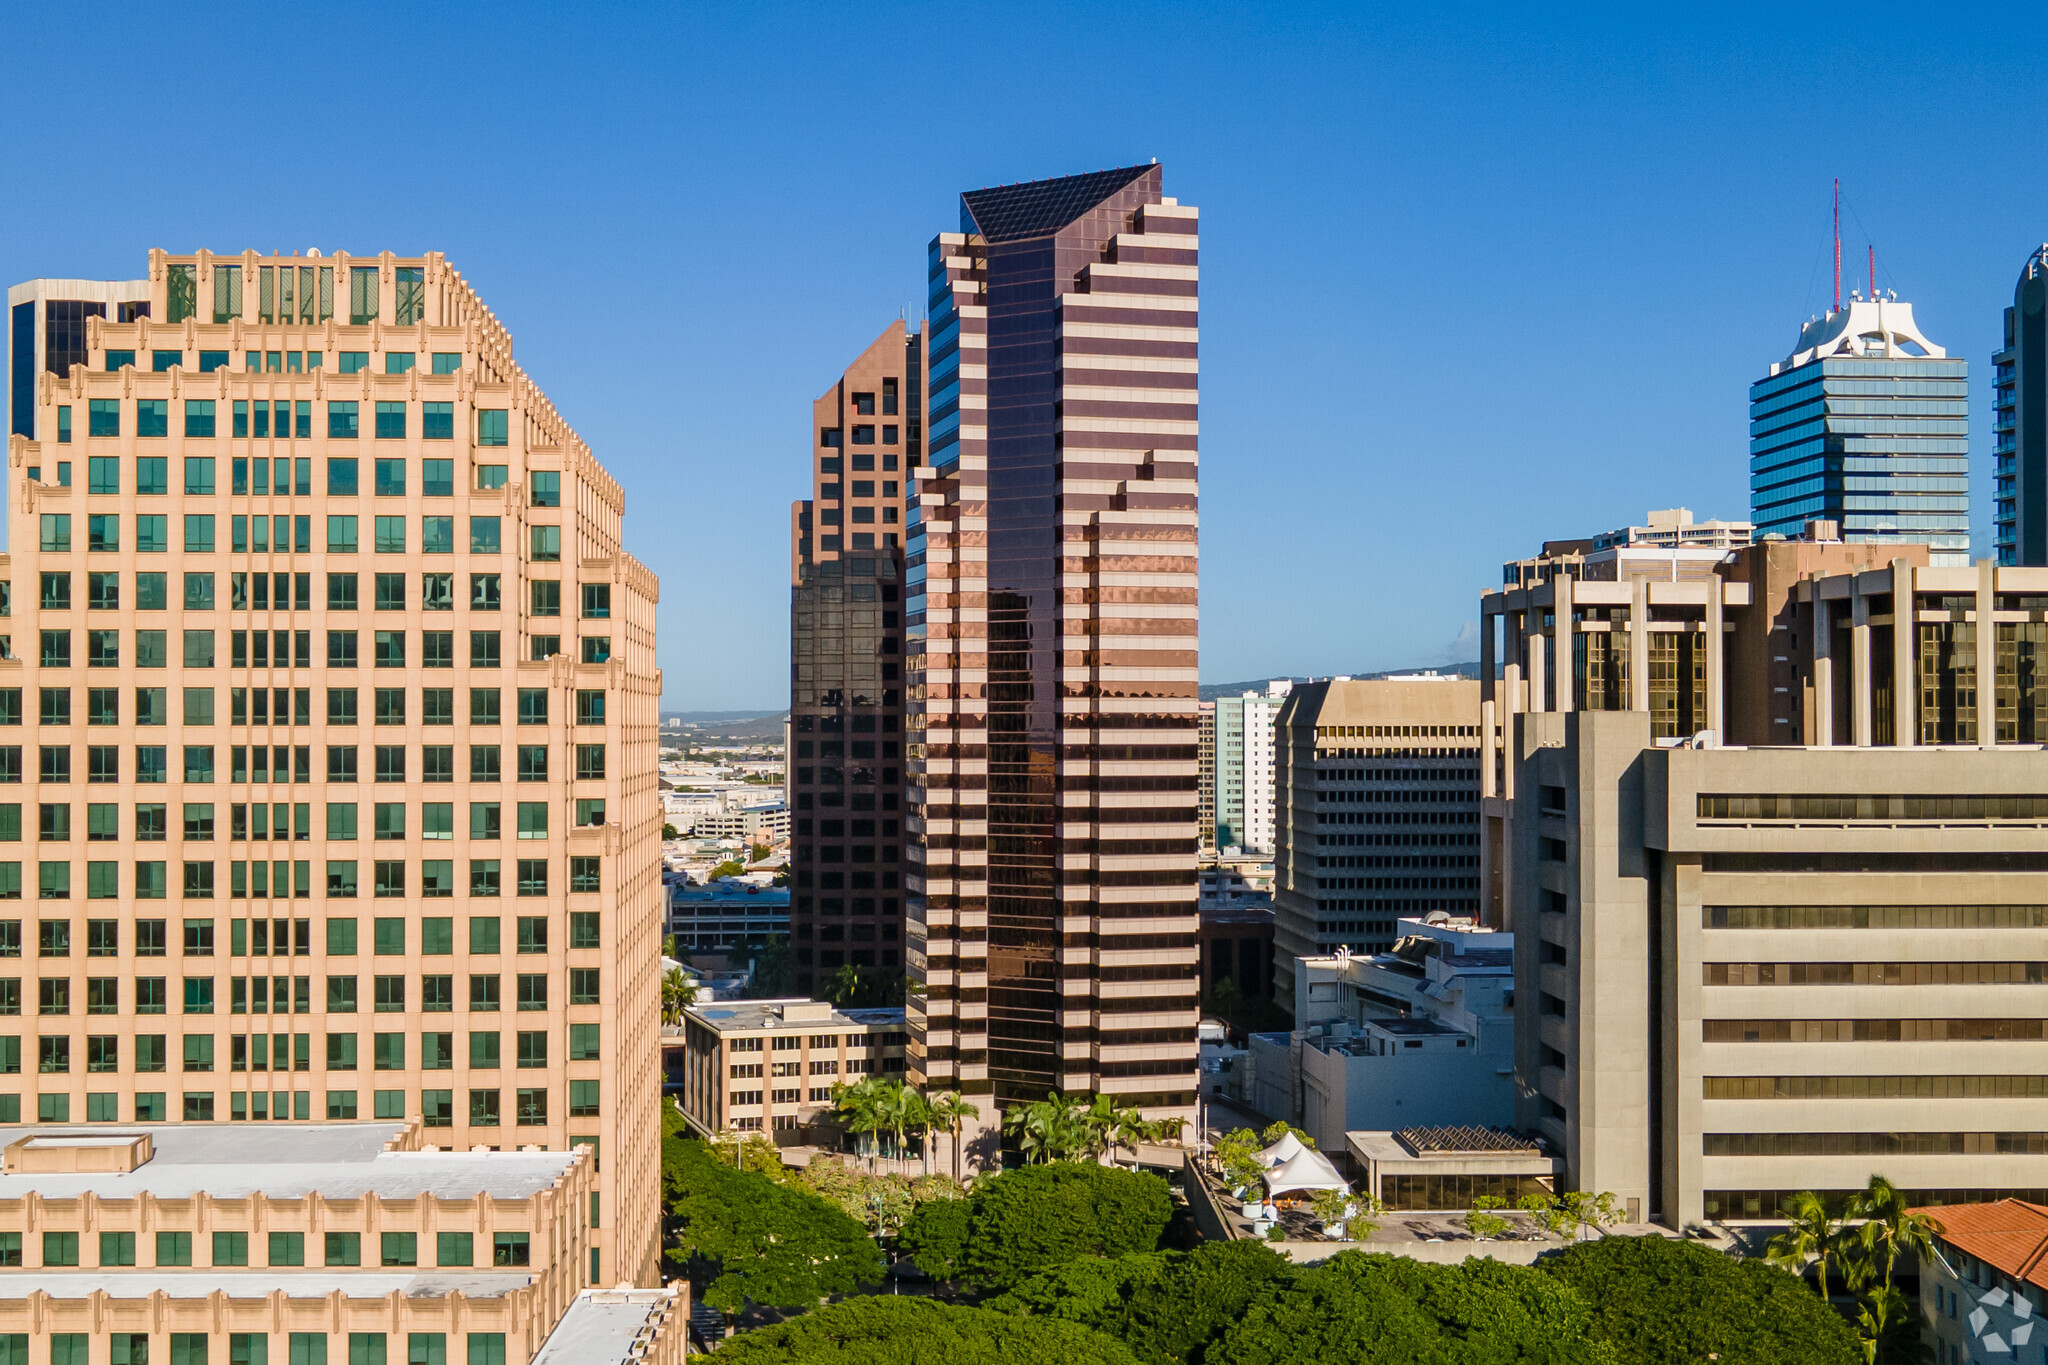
(1009, 213)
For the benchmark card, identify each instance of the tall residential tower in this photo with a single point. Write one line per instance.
(1866, 424)
(846, 665)
(397, 774)
(1051, 632)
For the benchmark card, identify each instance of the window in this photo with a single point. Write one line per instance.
(597, 649)
(447, 362)
(484, 535)
(198, 417)
(547, 488)
(341, 477)
(437, 535)
(546, 596)
(287, 1248)
(103, 416)
(341, 535)
(398, 1248)
(152, 417)
(491, 427)
(390, 474)
(342, 1249)
(230, 1248)
(362, 308)
(454, 1249)
(533, 991)
(546, 544)
(583, 877)
(341, 422)
(174, 1248)
(597, 601)
(590, 707)
(390, 535)
(437, 421)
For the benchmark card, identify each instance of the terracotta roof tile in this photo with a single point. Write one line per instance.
(2008, 1234)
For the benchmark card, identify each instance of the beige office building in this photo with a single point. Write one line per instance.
(1749, 970)
(1377, 788)
(304, 1244)
(333, 696)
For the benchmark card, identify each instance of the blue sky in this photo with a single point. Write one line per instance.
(1471, 279)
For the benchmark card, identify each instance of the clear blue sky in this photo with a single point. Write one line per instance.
(1469, 282)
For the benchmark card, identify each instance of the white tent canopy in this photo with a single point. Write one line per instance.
(1286, 1149)
(1305, 1170)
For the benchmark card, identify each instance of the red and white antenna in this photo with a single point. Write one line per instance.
(1873, 272)
(1838, 243)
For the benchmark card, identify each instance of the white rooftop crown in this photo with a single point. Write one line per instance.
(1864, 329)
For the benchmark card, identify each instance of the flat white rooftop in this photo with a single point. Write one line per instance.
(282, 1161)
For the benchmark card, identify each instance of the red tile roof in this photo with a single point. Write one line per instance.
(2009, 1234)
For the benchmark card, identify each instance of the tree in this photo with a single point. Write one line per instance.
(1659, 1301)
(759, 853)
(892, 1330)
(1027, 1219)
(1888, 1328)
(769, 1243)
(1372, 1309)
(1051, 1129)
(731, 867)
(1481, 1220)
(750, 1152)
(678, 993)
(1888, 1226)
(857, 1107)
(935, 1237)
(949, 1112)
(1812, 1234)
(668, 831)
(774, 969)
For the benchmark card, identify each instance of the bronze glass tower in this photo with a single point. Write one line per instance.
(846, 684)
(1051, 638)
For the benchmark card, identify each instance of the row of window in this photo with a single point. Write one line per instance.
(294, 937)
(259, 764)
(436, 1106)
(293, 1052)
(247, 994)
(270, 881)
(294, 706)
(286, 419)
(286, 477)
(294, 649)
(285, 1249)
(253, 1348)
(294, 592)
(283, 821)
(291, 535)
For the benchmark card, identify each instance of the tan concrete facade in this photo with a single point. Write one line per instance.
(769, 1066)
(1757, 971)
(1378, 787)
(337, 699)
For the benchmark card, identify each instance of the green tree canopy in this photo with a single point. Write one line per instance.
(1166, 1306)
(935, 1237)
(1663, 1302)
(772, 1244)
(1025, 1220)
(892, 1330)
(1367, 1309)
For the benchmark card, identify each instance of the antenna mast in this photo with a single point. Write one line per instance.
(1838, 243)
(1873, 272)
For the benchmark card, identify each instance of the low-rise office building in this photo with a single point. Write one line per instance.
(726, 916)
(291, 1243)
(769, 1066)
(1422, 1034)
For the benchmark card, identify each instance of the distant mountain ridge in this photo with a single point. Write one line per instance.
(1211, 691)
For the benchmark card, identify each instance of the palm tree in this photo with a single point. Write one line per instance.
(678, 993)
(1051, 1129)
(1890, 1226)
(1812, 1234)
(1888, 1327)
(949, 1112)
(914, 1115)
(858, 1108)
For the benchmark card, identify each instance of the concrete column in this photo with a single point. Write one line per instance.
(1987, 654)
(1823, 669)
(1905, 642)
(1639, 646)
(1717, 650)
(1488, 623)
(1507, 728)
(1538, 675)
(1859, 667)
(1561, 630)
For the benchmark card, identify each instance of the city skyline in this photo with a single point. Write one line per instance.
(1608, 184)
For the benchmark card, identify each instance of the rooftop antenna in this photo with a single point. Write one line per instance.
(1838, 243)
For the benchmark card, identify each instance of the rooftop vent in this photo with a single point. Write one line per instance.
(83, 1154)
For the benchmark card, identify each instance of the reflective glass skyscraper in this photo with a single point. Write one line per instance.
(2019, 482)
(1866, 424)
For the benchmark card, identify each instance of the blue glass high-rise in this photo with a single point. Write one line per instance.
(1865, 424)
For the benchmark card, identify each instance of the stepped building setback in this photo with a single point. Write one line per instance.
(1051, 638)
(327, 731)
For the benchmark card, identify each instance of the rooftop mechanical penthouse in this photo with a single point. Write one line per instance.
(327, 730)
